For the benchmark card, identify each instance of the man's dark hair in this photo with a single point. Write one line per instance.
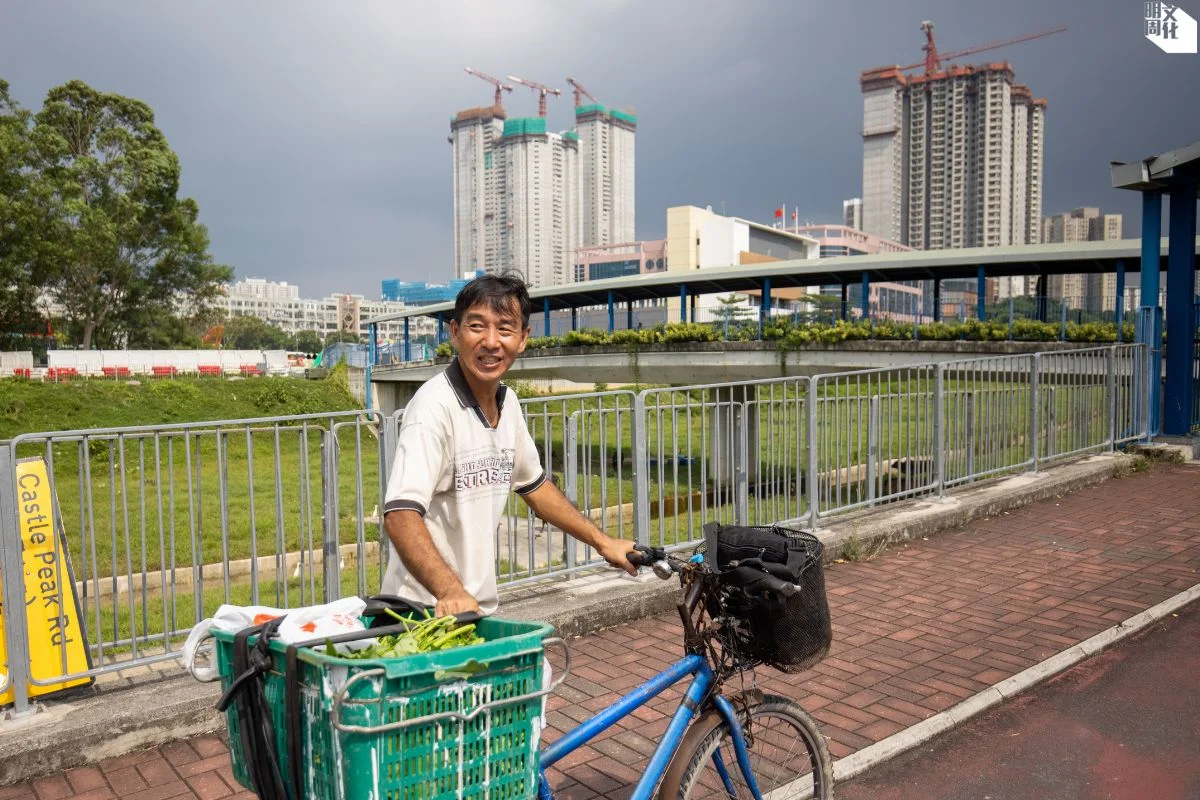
(498, 292)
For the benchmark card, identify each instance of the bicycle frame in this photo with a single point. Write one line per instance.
(702, 682)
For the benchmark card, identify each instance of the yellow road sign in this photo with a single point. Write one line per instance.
(51, 606)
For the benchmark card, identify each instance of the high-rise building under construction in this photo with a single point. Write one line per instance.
(538, 228)
(606, 140)
(526, 197)
(476, 181)
(952, 158)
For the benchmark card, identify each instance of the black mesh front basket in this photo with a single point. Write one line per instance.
(790, 634)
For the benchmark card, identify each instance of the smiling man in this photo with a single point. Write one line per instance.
(463, 447)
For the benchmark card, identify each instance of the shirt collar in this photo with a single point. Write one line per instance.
(462, 390)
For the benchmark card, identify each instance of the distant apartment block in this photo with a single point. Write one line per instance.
(477, 183)
(852, 213)
(953, 158)
(1085, 224)
(539, 216)
(525, 197)
(607, 144)
(281, 305)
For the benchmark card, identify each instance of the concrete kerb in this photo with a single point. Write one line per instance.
(87, 728)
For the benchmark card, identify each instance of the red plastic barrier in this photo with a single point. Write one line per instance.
(210, 369)
(115, 372)
(163, 372)
(22, 372)
(58, 373)
(250, 369)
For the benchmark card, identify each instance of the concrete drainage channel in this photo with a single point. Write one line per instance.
(93, 726)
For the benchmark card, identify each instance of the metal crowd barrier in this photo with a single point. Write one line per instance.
(161, 524)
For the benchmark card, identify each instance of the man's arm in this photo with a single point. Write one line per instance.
(552, 505)
(421, 558)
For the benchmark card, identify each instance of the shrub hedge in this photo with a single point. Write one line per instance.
(789, 335)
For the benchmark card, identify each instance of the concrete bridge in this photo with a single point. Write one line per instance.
(690, 363)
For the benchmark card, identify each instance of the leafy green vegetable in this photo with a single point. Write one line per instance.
(427, 635)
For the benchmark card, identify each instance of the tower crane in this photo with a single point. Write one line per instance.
(541, 89)
(499, 84)
(581, 92)
(933, 59)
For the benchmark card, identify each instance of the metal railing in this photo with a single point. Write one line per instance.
(161, 524)
(157, 526)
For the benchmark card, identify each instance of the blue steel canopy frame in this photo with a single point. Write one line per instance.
(1177, 175)
(687, 285)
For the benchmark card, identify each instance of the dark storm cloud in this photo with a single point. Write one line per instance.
(313, 134)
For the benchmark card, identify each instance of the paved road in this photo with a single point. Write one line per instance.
(916, 630)
(1124, 724)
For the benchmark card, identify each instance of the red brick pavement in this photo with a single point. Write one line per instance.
(916, 630)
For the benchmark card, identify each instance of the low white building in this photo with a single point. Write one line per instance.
(280, 304)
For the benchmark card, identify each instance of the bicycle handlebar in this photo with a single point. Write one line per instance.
(759, 577)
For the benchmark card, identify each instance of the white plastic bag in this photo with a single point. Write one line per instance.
(299, 625)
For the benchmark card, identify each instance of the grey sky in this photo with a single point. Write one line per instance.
(313, 134)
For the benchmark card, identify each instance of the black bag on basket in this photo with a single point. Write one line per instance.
(789, 633)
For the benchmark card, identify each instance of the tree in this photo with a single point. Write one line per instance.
(26, 240)
(308, 341)
(132, 251)
(343, 336)
(252, 333)
(732, 309)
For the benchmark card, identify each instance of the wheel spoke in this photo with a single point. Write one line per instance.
(787, 757)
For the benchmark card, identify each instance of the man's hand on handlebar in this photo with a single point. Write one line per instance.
(457, 602)
(618, 553)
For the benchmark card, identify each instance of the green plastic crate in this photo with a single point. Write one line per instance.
(493, 756)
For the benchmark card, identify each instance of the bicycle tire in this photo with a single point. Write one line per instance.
(699, 779)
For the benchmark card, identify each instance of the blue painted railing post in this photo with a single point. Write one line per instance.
(1010, 317)
(937, 299)
(546, 316)
(611, 312)
(683, 300)
(981, 294)
(574, 318)
(1120, 305)
(845, 300)
(629, 314)
(1062, 333)
(407, 342)
(441, 329)
(866, 295)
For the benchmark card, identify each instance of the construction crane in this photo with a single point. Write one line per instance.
(933, 59)
(540, 89)
(581, 92)
(499, 84)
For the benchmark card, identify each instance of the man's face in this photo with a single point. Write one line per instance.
(488, 343)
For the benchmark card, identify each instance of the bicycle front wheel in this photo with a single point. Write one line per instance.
(788, 756)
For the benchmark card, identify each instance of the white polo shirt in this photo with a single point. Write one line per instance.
(457, 471)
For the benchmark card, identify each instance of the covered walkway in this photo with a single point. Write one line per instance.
(1175, 174)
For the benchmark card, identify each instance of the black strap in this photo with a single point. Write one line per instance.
(711, 529)
(245, 692)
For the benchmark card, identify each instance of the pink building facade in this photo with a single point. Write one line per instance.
(598, 262)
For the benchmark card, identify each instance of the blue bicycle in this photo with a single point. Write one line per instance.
(722, 745)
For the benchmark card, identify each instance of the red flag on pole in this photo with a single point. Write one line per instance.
(779, 213)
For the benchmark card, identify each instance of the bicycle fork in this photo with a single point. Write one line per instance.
(726, 710)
